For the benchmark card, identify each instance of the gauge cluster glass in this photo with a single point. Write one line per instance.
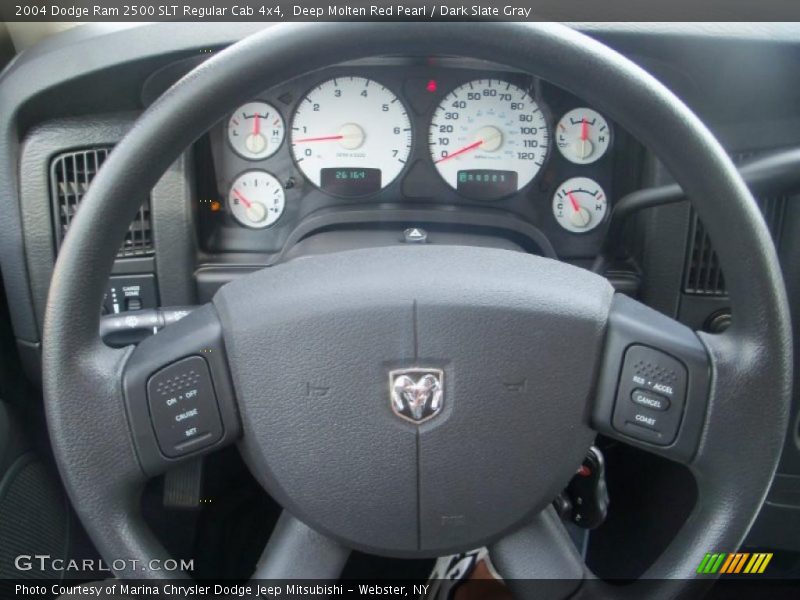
(441, 134)
(488, 138)
(351, 136)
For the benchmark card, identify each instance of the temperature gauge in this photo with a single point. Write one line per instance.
(579, 204)
(582, 136)
(256, 199)
(256, 130)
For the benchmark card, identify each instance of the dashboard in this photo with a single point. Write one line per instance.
(427, 135)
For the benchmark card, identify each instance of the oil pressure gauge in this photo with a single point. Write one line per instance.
(256, 130)
(583, 136)
(256, 199)
(579, 204)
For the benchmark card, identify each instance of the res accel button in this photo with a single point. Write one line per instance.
(649, 399)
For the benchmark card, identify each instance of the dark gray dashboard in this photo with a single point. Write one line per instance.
(97, 71)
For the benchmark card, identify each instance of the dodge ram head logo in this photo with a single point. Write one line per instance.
(416, 394)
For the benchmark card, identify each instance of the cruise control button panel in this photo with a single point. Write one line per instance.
(651, 395)
(183, 407)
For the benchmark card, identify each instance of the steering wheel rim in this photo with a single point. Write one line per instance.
(97, 458)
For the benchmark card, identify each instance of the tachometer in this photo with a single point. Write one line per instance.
(351, 136)
(488, 138)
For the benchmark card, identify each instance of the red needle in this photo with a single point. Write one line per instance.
(472, 146)
(584, 129)
(256, 124)
(245, 201)
(575, 206)
(324, 138)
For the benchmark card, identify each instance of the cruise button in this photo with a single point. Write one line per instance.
(649, 399)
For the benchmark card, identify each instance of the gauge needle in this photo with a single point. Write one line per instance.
(256, 124)
(472, 146)
(584, 136)
(245, 201)
(575, 205)
(324, 138)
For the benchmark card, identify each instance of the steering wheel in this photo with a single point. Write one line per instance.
(515, 362)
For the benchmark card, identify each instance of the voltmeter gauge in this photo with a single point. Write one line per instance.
(256, 130)
(583, 136)
(256, 199)
(579, 204)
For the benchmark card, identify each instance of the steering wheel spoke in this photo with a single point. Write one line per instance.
(295, 551)
(654, 382)
(178, 392)
(539, 560)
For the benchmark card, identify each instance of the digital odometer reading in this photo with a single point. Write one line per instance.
(350, 124)
(350, 182)
(480, 183)
(488, 125)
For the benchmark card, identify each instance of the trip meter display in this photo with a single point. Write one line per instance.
(488, 138)
(351, 136)
(477, 183)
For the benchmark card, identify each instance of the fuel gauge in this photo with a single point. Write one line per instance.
(256, 199)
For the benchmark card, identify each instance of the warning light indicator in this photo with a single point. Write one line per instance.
(432, 86)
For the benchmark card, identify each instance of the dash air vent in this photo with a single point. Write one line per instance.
(70, 176)
(702, 274)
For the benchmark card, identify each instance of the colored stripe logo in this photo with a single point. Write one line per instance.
(734, 563)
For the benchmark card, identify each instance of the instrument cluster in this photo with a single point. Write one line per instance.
(413, 133)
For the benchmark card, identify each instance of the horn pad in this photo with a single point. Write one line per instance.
(415, 400)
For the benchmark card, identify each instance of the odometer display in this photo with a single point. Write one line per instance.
(350, 182)
(488, 126)
(347, 127)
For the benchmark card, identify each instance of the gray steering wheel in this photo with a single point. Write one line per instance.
(347, 470)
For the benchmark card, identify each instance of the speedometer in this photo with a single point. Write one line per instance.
(488, 138)
(351, 136)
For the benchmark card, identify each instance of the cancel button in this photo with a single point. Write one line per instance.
(649, 399)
